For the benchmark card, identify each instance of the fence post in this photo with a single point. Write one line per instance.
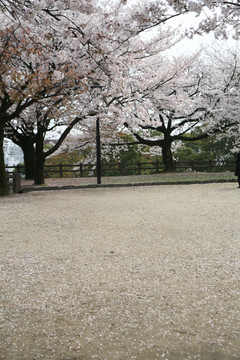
(81, 169)
(120, 168)
(227, 165)
(139, 168)
(210, 165)
(193, 165)
(60, 170)
(175, 164)
(16, 183)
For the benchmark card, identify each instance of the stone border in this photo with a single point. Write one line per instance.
(94, 186)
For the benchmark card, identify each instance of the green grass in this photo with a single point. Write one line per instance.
(170, 178)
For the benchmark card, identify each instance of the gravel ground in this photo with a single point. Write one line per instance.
(141, 273)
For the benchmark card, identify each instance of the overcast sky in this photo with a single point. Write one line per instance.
(188, 46)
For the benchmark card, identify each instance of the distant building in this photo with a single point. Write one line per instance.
(13, 154)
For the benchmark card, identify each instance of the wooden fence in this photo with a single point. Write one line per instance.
(122, 169)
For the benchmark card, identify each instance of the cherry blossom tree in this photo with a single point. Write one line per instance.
(215, 15)
(168, 106)
(94, 37)
(220, 16)
(223, 94)
(29, 132)
(186, 93)
(28, 77)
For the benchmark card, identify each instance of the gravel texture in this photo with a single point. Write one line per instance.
(141, 273)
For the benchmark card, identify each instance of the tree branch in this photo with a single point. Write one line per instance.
(62, 137)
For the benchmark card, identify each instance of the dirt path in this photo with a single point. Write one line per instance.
(141, 273)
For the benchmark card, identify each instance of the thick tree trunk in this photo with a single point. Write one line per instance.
(4, 190)
(29, 159)
(40, 158)
(39, 174)
(169, 164)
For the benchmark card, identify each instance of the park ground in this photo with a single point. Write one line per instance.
(141, 273)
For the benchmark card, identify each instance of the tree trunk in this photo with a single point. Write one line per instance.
(40, 158)
(4, 190)
(169, 164)
(29, 159)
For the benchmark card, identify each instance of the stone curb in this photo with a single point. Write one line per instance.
(95, 186)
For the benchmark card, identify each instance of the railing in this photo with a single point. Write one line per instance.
(122, 169)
